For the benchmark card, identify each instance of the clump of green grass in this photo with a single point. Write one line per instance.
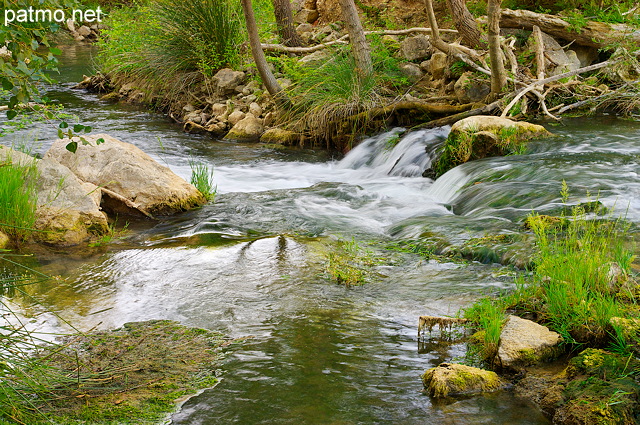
(113, 233)
(166, 49)
(17, 198)
(326, 94)
(202, 179)
(581, 283)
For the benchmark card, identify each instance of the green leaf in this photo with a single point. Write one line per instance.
(78, 128)
(72, 147)
(11, 114)
(87, 129)
(99, 141)
(64, 124)
(55, 51)
(6, 84)
(60, 134)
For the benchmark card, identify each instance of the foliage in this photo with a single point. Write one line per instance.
(113, 233)
(166, 49)
(581, 282)
(30, 53)
(17, 198)
(202, 179)
(489, 316)
(326, 93)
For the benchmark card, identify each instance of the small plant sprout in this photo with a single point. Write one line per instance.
(202, 179)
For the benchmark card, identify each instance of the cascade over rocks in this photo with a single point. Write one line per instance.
(131, 181)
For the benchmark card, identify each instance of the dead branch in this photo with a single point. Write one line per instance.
(483, 110)
(537, 83)
(343, 40)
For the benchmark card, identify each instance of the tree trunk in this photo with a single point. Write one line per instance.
(268, 79)
(284, 20)
(498, 72)
(465, 23)
(359, 45)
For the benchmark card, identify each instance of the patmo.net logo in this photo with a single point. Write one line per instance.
(31, 15)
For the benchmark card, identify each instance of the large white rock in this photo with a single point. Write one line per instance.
(68, 209)
(523, 342)
(135, 182)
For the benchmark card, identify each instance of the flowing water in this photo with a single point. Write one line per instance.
(251, 264)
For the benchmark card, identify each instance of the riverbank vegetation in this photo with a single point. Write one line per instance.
(409, 75)
(18, 198)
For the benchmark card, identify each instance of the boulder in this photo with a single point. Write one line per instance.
(218, 109)
(280, 136)
(132, 182)
(469, 89)
(249, 129)
(317, 57)
(68, 209)
(556, 58)
(84, 31)
(415, 48)
(437, 65)
(523, 342)
(484, 136)
(304, 27)
(226, 80)
(306, 16)
(451, 378)
(192, 127)
(412, 72)
(255, 109)
(235, 117)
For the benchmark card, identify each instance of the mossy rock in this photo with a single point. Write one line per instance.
(602, 390)
(451, 378)
(484, 136)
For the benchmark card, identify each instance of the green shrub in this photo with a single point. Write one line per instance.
(17, 198)
(166, 48)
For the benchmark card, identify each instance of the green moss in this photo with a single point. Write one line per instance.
(132, 375)
(449, 378)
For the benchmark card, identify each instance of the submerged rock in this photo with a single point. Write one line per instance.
(452, 378)
(4, 240)
(523, 342)
(132, 182)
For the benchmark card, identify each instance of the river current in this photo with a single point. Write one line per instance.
(251, 265)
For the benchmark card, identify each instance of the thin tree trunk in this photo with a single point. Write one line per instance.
(284, 20)
(359, 45)
(498, 72)
(268, 79)
(465, 23)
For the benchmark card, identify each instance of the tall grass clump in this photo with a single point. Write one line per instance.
(202, 179)
(167, 48)
(17, 198)
(327, 92)
(582, 286)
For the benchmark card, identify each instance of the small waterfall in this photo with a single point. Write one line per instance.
(392, 155)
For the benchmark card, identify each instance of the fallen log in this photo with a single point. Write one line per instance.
(593, 34)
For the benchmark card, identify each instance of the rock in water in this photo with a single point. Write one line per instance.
(134, 182)
(523, 342)
(452, 378)
(68, 209)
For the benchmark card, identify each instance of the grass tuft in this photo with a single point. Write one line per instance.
(202, 179)
(18, 198)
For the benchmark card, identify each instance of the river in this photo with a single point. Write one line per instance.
(251, 265)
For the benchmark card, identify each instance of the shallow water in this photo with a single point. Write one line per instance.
(251, 264)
